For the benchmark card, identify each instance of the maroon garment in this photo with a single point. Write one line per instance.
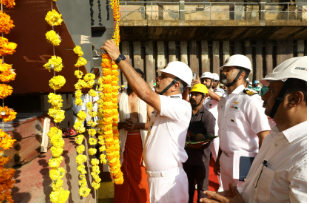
(135, 186)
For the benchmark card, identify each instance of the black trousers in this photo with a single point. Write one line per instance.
(198, 174)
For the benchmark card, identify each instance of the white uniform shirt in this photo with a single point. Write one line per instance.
(240, 118)
(165, 142)
(217, 89)
(285, 177)
(212, 106)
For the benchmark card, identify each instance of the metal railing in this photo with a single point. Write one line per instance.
(212, 11)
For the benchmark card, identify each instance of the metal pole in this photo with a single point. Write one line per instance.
(288, 10)
(126, 9)
(210, 10)
(151, 11)
(234, 12)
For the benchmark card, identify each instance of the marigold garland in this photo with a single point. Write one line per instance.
(109, 121)
(8, 3)
(53, 18)
(54, 63)
(53, 38)
(80, 62)
(6, 47)
(5, 90)
(79, 124)
(58, 194)
(78, 50)
(7, 114)
(6, 24)
(57, 82)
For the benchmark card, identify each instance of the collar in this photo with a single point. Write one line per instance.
(175, 96)
(238, 90)
(295, 132)
(202, 110)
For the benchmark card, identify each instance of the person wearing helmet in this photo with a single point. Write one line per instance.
(133, 123)
(163, 151)
(215, 83)
(279, 172)
(211, 103)
(241, 119)
(202, 122)
(256, 87)
(122, 88)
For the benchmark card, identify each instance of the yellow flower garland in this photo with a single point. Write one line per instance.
(58, 195)
(53, 38)
(57, 82)
(78, 50)
(79, 126)
(54, 63)
(53, 18)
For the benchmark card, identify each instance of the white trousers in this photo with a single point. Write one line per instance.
(168, 188)
(226, 171)
(214, 151)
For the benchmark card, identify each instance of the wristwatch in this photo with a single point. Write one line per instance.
(121, 57)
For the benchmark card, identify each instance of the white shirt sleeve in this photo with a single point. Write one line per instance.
(298, 183)
(256, 116)
(172, 108)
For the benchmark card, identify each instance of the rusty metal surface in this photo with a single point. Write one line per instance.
(28, 135)
(33, 50)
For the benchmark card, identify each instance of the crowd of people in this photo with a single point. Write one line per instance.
(259, 135)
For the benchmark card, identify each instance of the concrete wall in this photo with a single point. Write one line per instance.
(209, 55)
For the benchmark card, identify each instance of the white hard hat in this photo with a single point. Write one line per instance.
(238, 61)
(215, 76)
(179, 70)
(295, 67)
(247, 80)
(207, 75)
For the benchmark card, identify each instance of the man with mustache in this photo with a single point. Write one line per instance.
(202, 121)
(279, 172)
(163, 151)
(241, 119)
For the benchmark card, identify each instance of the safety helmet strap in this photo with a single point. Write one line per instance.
(169, 86)
(236, 78)
(279, 98)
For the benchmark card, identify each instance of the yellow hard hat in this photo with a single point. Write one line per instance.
(201, 88)
(122, 86)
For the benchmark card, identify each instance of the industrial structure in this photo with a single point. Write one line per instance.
(201, 33)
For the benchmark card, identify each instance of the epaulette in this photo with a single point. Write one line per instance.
(250, 92)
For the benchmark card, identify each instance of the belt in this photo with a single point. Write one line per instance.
(171, 172)
(227, 154)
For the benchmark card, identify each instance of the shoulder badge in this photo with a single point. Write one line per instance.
(250, 92)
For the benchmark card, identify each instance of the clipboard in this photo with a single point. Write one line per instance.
(244, 165)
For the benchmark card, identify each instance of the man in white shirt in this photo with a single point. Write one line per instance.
(215, 83)
(211, 103)
(279, 171)
(163, 151)
(241, 119)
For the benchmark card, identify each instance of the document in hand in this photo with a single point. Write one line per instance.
(244, 167)
(241, 164)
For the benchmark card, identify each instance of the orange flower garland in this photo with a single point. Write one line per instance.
(8, 3)
(108, 124)
(6, 24)
(7, 74)
(6, 174)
